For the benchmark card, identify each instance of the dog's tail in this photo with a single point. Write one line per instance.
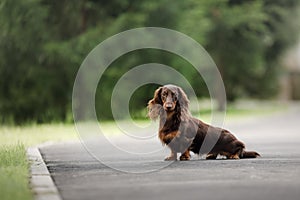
(249, 154)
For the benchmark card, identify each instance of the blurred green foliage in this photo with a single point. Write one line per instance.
(43, 43)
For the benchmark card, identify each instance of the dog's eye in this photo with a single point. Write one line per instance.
(174, 97)
(163, 96)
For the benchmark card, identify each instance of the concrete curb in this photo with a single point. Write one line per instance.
(41, 182)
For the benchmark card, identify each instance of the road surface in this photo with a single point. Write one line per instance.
(274, 176)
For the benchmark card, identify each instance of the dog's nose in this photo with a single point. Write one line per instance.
(168, 105)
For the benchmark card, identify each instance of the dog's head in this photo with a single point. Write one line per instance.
(169, 98)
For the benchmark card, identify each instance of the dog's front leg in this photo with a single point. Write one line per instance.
(185, 155)
(173, 156)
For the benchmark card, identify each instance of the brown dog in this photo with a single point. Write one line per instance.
(183, 133)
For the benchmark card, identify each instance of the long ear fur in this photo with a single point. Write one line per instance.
(155, 105)
(184, 104)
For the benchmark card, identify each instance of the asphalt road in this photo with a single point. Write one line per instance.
(276, 175)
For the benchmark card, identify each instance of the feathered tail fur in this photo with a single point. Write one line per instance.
(249, 154)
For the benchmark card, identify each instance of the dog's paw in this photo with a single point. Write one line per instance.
(211, 156)
(184, 157)
(170, 158)
(235, 157)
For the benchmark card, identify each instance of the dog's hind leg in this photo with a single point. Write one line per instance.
(234, 156)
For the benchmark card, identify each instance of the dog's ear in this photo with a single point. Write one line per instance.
(155, 105)
(182, 98)
(157, 96)
(183, 101)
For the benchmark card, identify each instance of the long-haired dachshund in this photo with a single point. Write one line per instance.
(183, 133)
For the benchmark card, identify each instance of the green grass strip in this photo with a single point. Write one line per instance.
(14, 173)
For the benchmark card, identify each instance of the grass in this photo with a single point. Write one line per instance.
(14, 173)
(31, 135)
(239, 110)
(14, 167)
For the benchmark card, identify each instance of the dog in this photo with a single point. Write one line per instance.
(183, 133)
